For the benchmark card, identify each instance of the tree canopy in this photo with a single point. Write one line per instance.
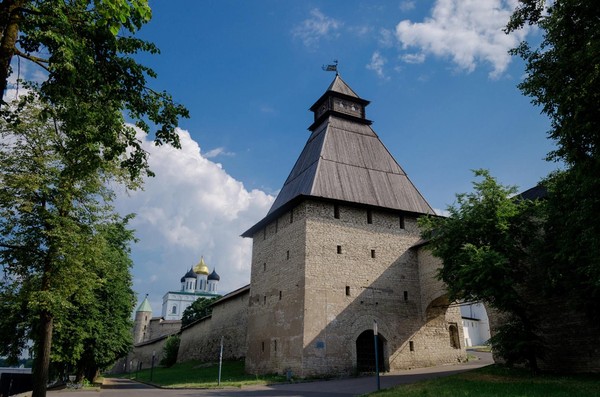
(87, 51)
(512, 253)
(60, 242)
(489, 246)
(97, 330)
(63, 140)
(563, 77)
(201, 307)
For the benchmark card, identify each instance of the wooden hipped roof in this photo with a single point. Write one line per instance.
(344, 160)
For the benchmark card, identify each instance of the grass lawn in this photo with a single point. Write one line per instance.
(196, 374)
(496, 381)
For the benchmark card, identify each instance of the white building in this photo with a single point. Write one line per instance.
(196, 283)
(476, 325)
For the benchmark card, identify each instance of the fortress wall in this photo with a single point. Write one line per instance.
(276, 305)
(346, 291)
(202, 340)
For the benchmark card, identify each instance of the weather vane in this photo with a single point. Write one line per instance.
(331, 68)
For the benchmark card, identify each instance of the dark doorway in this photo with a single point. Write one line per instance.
(365, 352)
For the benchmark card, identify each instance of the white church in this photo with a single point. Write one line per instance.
(196, 283)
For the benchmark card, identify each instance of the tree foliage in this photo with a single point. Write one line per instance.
(563, 77)
(59, 241)
(97, 330)
(511, 253)
(489, 246)
(170, 351)
(201, 307)
(92, 83)
(87, 48)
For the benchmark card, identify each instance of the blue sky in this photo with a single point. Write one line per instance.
(443, 100)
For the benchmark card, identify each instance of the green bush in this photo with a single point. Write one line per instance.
(170, 351)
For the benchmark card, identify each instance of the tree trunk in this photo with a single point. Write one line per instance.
(42, 357)
(11, 17)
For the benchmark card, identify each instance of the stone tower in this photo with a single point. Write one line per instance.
(337, 251)
(143, 315)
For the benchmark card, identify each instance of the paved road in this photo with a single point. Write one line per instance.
(332, 388)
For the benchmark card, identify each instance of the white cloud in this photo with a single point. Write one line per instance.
(191, 208)
(313, 29)
(440, 212)
(406, 6)
(386, 38)
(468, 32)
(377, 63)
(413, 58)
(220, 151)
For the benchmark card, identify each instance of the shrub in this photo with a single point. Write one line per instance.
(170, 351)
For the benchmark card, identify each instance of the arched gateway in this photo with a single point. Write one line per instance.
(365, 352)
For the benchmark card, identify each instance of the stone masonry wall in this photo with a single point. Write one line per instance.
(373, 275)
(275, 312)
(202, 340)
(141, 354)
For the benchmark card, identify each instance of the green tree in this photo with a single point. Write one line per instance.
(563, 77)
(97, 330)
(53, 235)
(489, 247)
(92, 76)
(201, 307)
(170, 351)
(94, 83)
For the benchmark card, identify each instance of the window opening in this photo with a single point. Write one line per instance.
(454, 342)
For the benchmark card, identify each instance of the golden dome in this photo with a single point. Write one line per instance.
(201, 267)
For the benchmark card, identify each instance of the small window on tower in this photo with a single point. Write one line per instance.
(339, 249)
(336, 211)
(405, 295)
(263, 346)
(369, 216)
(288, 254)
(174, 310)
(265, 267)
(265, 299)
(401, 220)
(411, 346)
(347, 290)
(372, 253)
(280, 295)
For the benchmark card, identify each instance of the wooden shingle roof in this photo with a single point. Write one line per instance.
(344, 160)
